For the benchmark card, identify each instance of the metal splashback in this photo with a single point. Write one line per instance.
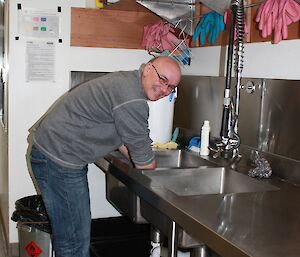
(280, 118)
(182, 10)
(269, 118)
(199, 98)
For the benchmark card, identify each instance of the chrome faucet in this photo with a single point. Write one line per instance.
(230, 140)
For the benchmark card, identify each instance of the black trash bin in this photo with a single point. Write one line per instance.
(33, 225)
(118, 236)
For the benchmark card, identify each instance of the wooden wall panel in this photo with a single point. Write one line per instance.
(121, 26)
(111, 28)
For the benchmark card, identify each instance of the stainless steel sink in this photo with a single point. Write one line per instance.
(126, 201)
(208, 180)
(173, 159)
(193, 182)
(183, 173)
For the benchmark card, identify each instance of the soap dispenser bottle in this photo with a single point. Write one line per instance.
(205, 131)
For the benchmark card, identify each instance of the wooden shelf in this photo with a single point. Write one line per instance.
(117, 26)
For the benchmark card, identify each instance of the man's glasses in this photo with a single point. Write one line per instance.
(164, 81)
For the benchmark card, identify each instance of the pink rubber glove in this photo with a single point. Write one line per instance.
(289, 12)
(151, 36)
(159, 37)
(266, 17)
(280, 29)
(292, 12)
(277, 15)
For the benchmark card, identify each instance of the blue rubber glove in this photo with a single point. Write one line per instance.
(203, 28)
(217, 27)
(211, 24)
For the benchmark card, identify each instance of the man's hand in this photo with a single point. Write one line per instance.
(124, 150)
(149, 166)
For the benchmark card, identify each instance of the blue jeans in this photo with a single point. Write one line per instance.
(66, 197)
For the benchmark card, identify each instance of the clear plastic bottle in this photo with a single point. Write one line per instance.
(205, 131)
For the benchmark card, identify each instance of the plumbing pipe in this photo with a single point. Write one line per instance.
(172, 240)
(155, 251)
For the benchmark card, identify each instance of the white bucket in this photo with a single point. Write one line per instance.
(160, 120)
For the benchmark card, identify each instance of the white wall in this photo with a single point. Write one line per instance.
(261, 60)
(28, 101)
(3, 179)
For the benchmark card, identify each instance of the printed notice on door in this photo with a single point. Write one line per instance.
(40, 61)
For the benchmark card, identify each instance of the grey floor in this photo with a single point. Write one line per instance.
(3, 252)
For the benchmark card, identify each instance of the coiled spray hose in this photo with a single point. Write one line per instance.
(239, 56)
(229, 129)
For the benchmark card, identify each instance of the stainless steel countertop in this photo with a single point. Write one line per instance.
(264, 224)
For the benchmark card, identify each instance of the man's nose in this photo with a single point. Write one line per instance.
(164, 88)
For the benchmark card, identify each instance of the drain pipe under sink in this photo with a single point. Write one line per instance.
(159, 251)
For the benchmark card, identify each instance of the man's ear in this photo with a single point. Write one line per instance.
(147, 68)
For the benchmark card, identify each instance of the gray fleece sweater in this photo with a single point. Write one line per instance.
(94, 119)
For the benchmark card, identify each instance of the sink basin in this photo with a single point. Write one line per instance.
(208, 180)
(173, 159)
(126, 201)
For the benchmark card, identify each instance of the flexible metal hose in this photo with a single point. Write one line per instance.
(229, 129)
(239, 56)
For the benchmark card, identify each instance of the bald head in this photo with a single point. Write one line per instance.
(160, 77)
(168, 63)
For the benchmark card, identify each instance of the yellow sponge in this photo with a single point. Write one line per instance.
(169, 145)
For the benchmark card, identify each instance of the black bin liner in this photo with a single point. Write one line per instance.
(31, 211)
(118, 236)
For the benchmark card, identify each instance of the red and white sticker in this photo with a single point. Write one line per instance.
(33, 249)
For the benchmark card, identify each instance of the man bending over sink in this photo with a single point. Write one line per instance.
(88, 122)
